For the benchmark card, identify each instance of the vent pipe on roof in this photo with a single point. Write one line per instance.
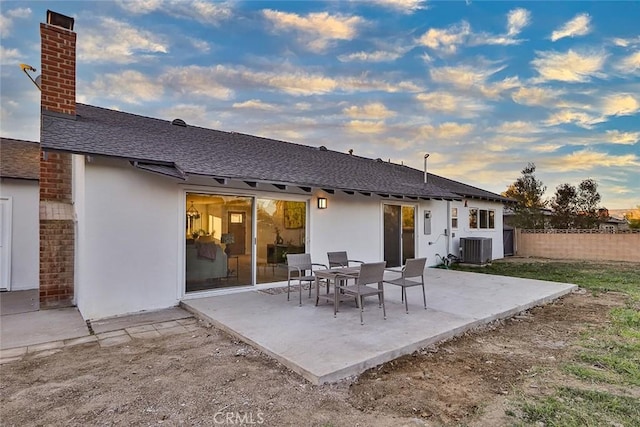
(179, 122)
(425, 167)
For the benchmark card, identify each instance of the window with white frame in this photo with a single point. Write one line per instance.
(482, 218)
(454, 217)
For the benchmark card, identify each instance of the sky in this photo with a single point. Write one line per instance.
(483, 87)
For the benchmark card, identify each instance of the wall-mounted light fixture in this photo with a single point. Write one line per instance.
(322, 203)
(465, 204)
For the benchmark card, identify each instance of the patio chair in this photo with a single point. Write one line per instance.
(300, 263)
(340, 259)
(370, 273)
(412, 269)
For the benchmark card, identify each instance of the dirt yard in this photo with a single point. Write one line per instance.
(208, 378)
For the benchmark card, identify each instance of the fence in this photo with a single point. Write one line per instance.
(596, 245)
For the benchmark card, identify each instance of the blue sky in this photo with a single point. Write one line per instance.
(484, 87)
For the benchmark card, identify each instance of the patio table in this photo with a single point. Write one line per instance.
(333, 275)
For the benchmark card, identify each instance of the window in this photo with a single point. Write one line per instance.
(482, 218)
(454, 217)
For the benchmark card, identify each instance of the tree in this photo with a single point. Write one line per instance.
(527, 191)
(576, 207)
(564, 206)
(588, 204)
(633, 218)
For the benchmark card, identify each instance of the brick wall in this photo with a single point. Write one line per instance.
(58, 62)
(584, 246)
(57, 224)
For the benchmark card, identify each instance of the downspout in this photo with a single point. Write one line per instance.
(448, 230)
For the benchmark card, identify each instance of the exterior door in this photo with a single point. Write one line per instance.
(5, 244)
(399, 234)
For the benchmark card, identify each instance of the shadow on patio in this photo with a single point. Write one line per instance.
(321, 348)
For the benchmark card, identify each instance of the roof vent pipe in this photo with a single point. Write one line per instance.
(425, 167)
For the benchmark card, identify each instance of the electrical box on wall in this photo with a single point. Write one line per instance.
(427, 222)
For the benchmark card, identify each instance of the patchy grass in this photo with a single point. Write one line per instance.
(577, 407)
(597, 277)
(609, 355)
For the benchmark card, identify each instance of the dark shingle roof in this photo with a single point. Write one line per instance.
(194, 150)
(19, 159)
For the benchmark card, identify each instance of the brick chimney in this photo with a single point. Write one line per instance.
(57, 224)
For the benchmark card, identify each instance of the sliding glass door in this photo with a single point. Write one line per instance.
(219, 240)
(281, 230)
(399, 234)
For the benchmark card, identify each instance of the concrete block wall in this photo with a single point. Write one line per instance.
(583, 246)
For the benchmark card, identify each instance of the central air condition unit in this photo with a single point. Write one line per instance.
(476, 250)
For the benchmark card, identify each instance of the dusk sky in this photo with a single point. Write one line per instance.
(484, 87)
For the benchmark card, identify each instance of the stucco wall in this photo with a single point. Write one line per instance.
(583, 246)
(25, 239)
(128, 248)
(130, 253)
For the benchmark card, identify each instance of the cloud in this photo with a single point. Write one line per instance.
(114, 41)
(366, 126)
(448, 39)
(198, 81)
(569, 67)
(516, 127)
(589, 160)
(129, 86)
(625, 138)
(626, 42)
(195, 115)
(473, 78)
(9, 56)
(202, 11)
(621, 104)
(536, 96)
(6, 20)
(375, 56)
(578, 118)
(517, 19)
(447, 130)
(317, 31)
(255, 104)
(200, 45)
(629, 64)
(447, 102)
(404, 6)
(374, 110)
(578, 26)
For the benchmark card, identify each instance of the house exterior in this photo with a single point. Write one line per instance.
(19, 175)
(150, 212)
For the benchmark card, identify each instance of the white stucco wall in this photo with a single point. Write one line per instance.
(25, 238)
(497, 244)
(128, 249)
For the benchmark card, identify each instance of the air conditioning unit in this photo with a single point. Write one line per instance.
(476, 250)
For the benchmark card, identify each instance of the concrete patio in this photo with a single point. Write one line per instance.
(321, 348)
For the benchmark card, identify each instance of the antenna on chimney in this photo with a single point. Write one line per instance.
(425, 167)
(25, 68)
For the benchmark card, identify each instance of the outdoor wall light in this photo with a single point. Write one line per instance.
(322, 203)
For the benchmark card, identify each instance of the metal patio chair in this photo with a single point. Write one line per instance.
(370, 274)
(413, 269)
(300, 263)
(340, 259)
